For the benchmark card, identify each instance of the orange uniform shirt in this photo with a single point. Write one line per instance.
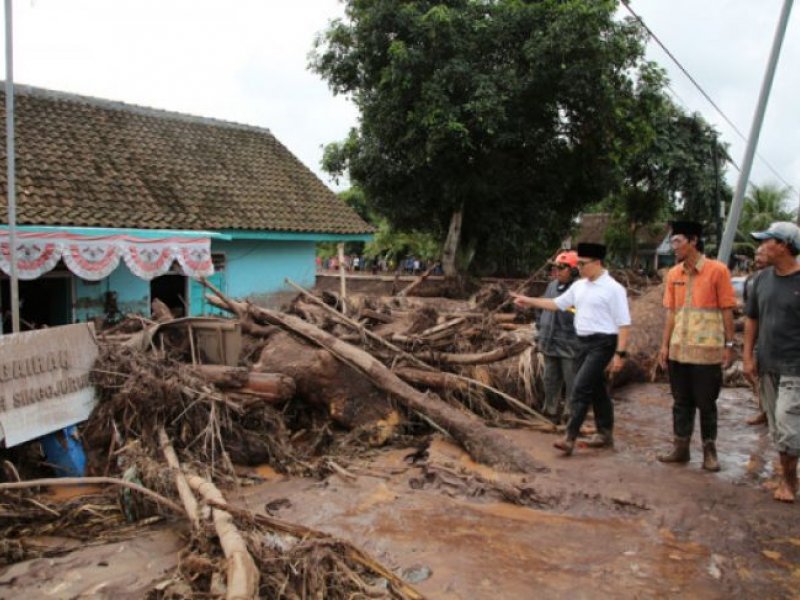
(698, 296)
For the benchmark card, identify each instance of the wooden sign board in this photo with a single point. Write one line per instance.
(44, 381)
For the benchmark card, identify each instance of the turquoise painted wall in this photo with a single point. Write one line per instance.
(133, 294)
(256, 269)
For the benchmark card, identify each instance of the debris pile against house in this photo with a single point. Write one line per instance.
(185, 403)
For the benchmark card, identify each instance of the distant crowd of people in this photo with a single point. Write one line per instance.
(409, 265)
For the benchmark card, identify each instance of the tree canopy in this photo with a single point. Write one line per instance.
(510, 115)
(762, 206)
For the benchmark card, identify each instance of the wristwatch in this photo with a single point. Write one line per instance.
(621, 353)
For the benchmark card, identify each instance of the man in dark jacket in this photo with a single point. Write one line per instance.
(557, 341)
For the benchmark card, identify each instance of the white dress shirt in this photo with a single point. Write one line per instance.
(601, 306)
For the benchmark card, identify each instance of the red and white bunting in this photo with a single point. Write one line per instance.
(95, 257)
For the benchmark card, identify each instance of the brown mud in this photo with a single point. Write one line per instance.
(611, 523)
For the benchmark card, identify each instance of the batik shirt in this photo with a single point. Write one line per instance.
(698, 295)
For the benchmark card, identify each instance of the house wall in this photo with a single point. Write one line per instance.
(133, 294)
(253, 269)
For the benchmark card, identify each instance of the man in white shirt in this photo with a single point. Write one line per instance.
(602, 322)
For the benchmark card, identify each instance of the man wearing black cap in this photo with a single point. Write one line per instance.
(602, 321)
(773, 319)
(697, 340)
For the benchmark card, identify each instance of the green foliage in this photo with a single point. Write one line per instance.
(523, 112)
(387, 243)
(762, 205)
(668, 171)
(517, 110)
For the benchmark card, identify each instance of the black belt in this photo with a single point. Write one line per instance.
(596, 336)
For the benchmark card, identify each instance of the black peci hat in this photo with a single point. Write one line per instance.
(587, 250)
(687, 228)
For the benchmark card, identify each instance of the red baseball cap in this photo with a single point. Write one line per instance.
(569, 257)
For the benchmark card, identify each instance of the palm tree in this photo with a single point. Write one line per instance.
(763, 205)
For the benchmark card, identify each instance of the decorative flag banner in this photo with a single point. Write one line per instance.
(95, 257)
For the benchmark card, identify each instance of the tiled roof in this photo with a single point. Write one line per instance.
(95, 163)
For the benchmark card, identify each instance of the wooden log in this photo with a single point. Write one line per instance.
(482, 443)
(275, 387)
(184, 491)
(414, 284)
(432, 379)
(482, 358)
(374, 315)
(242, 573)
(219, 300)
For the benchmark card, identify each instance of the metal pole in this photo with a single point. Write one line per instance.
(735, 213)
(717, 198)
(12, 184)
(798, 211)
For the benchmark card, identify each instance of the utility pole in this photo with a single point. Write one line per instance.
(11, 180)
(717, 199)
(735, 213)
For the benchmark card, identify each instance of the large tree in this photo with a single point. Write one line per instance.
(493, 120)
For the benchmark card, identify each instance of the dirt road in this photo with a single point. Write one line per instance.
(600, 523)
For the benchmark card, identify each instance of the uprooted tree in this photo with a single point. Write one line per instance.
(479, 117)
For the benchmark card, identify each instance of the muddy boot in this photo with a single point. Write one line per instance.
(566, 446)
(679, 454)
(710, 462)
(601, 439)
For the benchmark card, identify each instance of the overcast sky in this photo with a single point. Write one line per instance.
(245, 61)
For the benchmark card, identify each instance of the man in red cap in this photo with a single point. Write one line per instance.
(556, 340)
(602, 322)
(697, 340)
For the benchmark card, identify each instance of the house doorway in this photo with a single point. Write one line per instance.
(44, 302)
(171, 290)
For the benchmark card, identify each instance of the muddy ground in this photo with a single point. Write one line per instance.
(601, 523)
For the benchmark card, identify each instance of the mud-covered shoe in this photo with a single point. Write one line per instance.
(600, 440)
(680, 452)
(566, 446)
(710, 462)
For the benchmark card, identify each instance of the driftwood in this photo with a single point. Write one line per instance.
(481, 358)
(482, 443)
(374, 315)
(66, 481)
(433, 379)
(321, 380)
(184, 491)
(414, 284)
(242, 574)
(272, 387)
(221, 301)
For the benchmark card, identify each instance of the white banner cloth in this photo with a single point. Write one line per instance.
(95, 257)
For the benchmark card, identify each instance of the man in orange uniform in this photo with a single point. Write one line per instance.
(697, 340)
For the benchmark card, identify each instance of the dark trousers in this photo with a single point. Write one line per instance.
(694, 387)
(594, 354)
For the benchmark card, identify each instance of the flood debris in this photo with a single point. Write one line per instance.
(299, 390)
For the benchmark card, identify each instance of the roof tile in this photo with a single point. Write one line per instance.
(90, 162)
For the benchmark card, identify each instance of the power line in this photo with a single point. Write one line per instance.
(703, 92)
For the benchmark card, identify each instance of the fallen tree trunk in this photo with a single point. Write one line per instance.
(483, 444)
